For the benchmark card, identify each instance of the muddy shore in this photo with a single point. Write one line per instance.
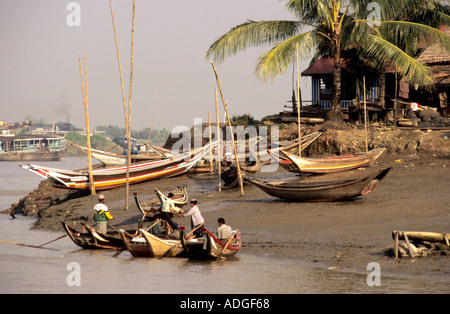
(342, 236)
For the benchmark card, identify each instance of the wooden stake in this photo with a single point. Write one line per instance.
(128, 122)
(150, 132)
(396, 245)
(219, 140)
(365, 113)
(231, 130)
(210, 147)
(298, 105)
(86, 115)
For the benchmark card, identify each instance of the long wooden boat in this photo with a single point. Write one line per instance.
(162, 247)
(322, 191)
(230, 176)
(112, 159)
(112, 177)
(92, 239)
(181, 199)
(293, 148)
(137, 246)
(209, 247)
(333, 163)
(31, 147)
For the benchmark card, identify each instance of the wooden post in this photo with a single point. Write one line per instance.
(365, 113)
(127, 115)
(150, 132)
(298, 105)
(408, 244)
(395, 101)
(231, 129)
(127, 188)
(396, 245)
(210, 147)
(219, 140)
(86, 115)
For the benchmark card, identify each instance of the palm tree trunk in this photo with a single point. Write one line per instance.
(335, 113)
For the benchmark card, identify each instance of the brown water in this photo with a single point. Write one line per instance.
(29, 270)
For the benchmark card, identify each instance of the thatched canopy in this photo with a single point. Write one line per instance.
(439, 62)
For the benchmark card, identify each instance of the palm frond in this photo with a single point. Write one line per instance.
(251, 33)
(409, 35)
(380, 51)
(311, 11)
(277, 60)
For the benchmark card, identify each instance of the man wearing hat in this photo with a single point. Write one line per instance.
(196, 218)
(101, 214)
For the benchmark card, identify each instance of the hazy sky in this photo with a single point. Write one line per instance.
(173, 83)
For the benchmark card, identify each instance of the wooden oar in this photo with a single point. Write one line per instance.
(53, 240)
(28, 245)
(229, 241)
(176, 245)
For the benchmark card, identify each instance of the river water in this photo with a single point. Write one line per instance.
(73, 270)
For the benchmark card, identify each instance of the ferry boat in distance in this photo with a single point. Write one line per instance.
(31, 147)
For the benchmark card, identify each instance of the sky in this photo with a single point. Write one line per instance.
(173, 83)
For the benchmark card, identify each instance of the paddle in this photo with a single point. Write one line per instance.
(28, 245)
(169, 251)
(229, 241)
(53, 240)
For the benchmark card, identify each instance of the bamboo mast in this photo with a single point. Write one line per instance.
(127, 115)
(127, 189)
(210, 147)
(298, 104)
(219, 140)
(86, 115)
(231, 129)
(150, 132)
(365, 112)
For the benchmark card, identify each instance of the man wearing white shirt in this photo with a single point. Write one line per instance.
(196, 218)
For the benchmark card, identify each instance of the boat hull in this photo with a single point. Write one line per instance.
(325, 191)
(92, 239)
(334, 163)
(209, 247)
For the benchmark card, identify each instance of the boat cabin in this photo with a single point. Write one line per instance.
(31, 143)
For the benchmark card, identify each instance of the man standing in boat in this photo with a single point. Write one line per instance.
(168, 208)
(101, 214)
(196, 219)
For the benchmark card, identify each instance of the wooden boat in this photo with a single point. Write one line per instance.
(334, 163)
(31, 147)
(321, 191)
(230, 176)
(151, 152)
(283, 160)
(137, 246)
(160, 246)
(181, 199)
(112, 177)
(92, 239)
(209, 247)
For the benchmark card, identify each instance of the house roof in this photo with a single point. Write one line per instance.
(324, 66)
(434, 53)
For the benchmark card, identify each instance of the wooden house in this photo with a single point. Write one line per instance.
(438, 61)
(352, 91)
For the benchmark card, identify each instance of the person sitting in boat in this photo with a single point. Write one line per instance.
(101, 214)
(196, 219)
(224, 232)
(168, 207)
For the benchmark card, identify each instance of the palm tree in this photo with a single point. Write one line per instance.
(330, 27)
